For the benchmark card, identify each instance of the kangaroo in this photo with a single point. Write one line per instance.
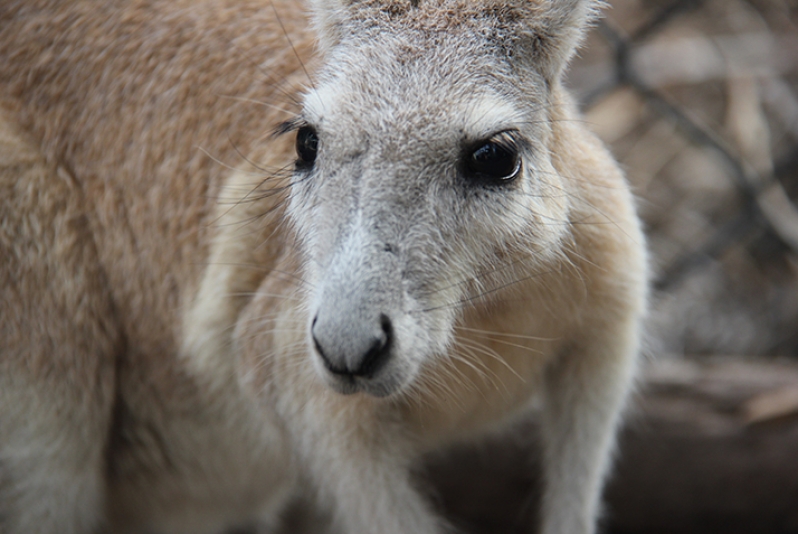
(248, 253)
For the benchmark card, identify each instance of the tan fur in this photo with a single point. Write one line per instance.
(155, 364)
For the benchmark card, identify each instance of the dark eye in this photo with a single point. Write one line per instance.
(493, 161)
(307, 146)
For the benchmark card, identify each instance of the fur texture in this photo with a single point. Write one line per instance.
(198, 323)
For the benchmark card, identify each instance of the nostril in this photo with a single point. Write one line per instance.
(327, 363)
(379, 352)
(313, 335)
(387, 328)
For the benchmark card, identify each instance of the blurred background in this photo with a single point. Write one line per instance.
(698, 100)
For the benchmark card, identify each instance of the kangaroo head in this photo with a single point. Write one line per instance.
(424, 172)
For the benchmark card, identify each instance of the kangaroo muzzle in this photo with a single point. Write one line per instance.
(352, 329)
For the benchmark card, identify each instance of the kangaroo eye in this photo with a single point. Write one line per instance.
(494, 161)
(307, 146)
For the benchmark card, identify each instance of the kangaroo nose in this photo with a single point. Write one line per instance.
(352, 354)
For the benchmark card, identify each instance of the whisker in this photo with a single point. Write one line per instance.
(486, 374)
(485, 293)
(257, 102)
(501, 334)
(293, 48)
(487, 351)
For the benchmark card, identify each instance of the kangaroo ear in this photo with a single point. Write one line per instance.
(554, 29)
(550, 29)
(328, 17)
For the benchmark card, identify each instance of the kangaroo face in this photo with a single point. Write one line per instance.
(423, 179)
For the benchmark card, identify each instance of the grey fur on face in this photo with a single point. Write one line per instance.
(395, 115)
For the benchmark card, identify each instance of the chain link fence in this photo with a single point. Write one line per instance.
(698, 99)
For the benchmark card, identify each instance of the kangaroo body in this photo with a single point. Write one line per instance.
(201, 316)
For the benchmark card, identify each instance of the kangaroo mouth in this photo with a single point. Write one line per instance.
(381, 384)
